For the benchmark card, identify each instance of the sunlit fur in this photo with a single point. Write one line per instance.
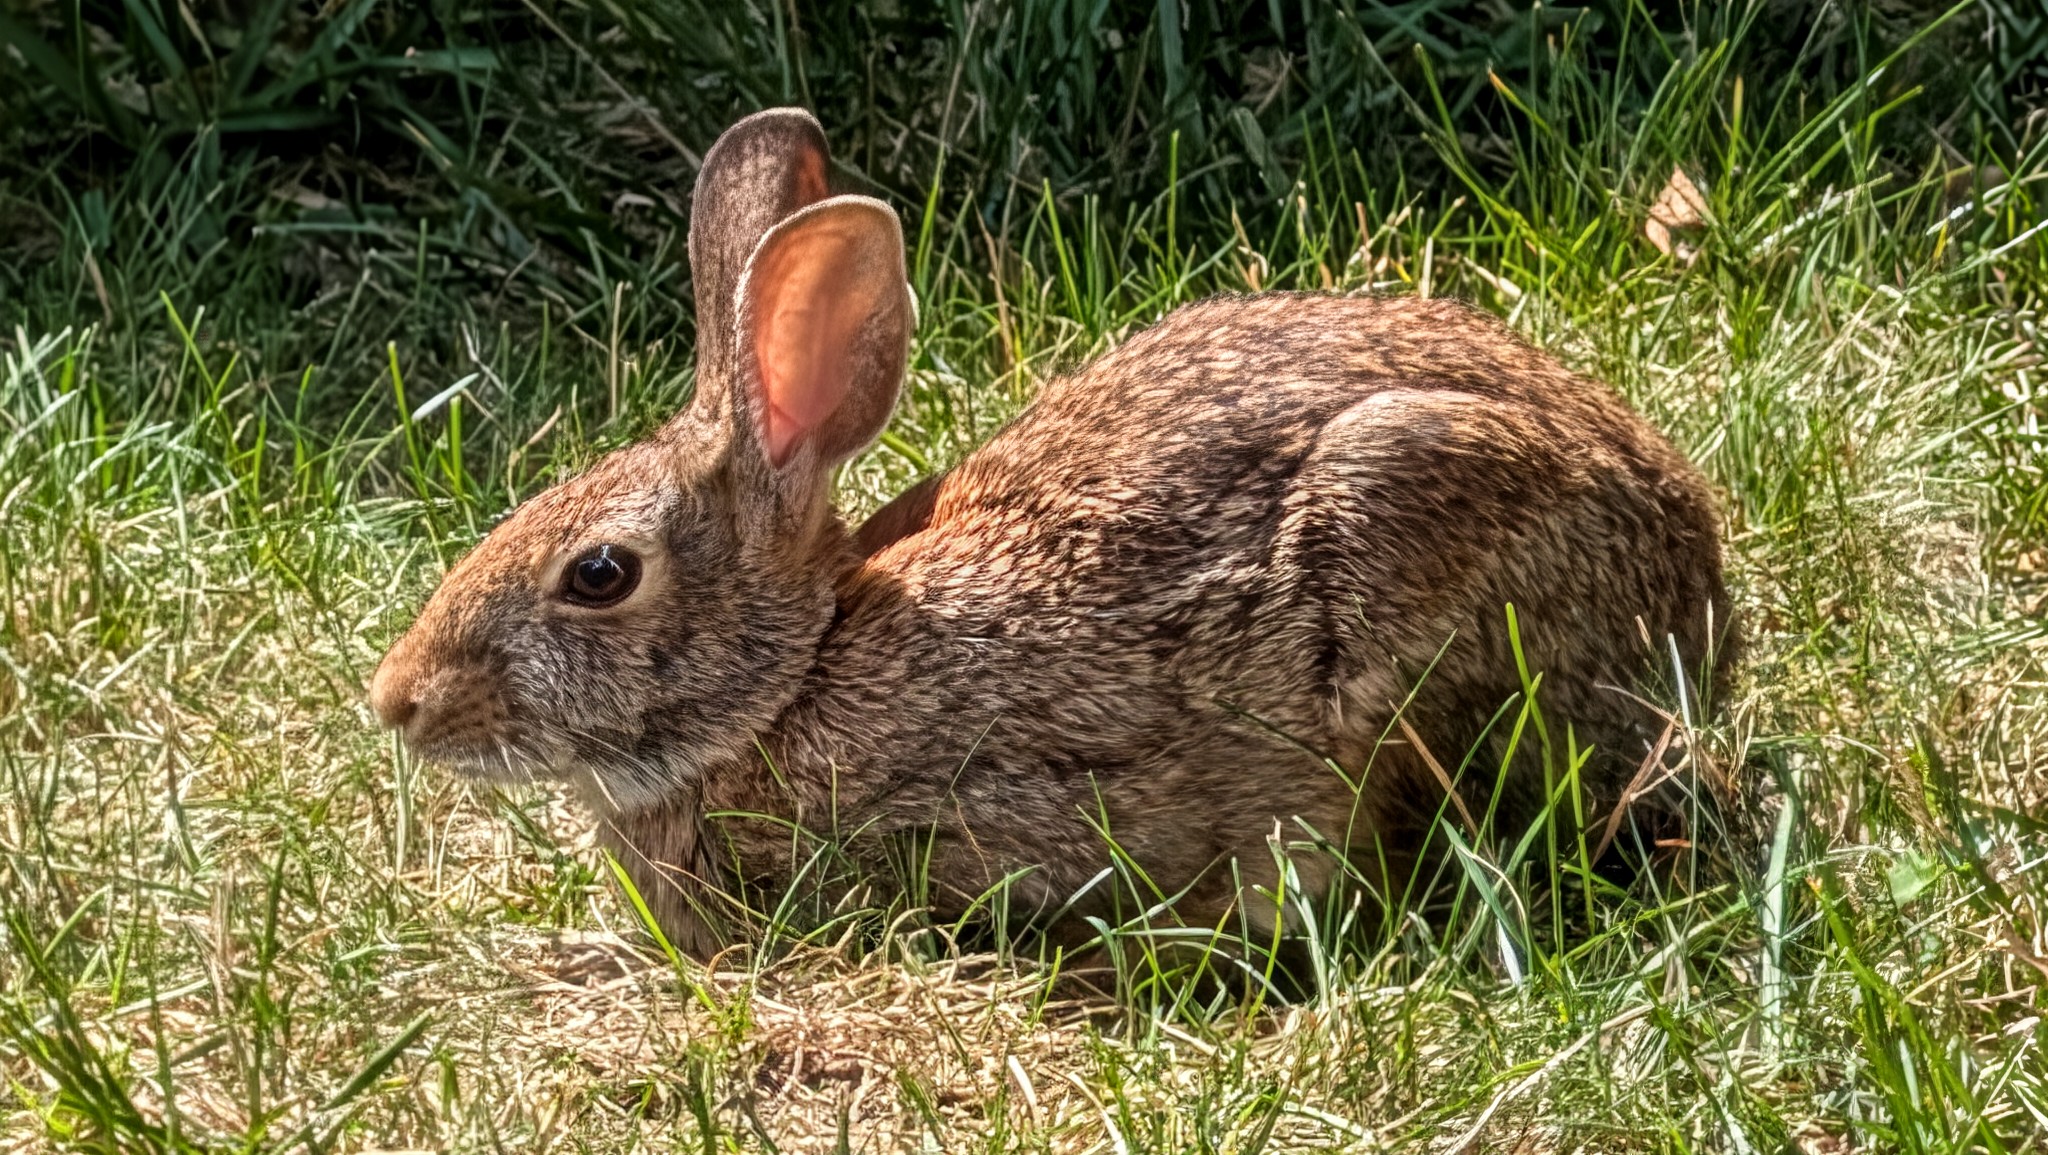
(1177, 602)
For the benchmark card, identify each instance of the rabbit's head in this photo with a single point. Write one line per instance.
(626, 626)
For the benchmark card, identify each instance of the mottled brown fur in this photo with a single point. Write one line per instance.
(1188, 579)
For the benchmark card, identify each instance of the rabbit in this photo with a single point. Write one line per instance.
(1176, 605)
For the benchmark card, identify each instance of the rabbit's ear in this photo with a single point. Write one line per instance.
(823, 332)
(760, 171)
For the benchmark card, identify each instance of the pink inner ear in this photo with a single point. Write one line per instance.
(812, 301)
(811, 185)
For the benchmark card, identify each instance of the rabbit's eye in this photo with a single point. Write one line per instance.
(602, 576)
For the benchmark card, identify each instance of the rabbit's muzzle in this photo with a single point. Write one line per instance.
(455, 716)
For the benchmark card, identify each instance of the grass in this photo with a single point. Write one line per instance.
(238, 918)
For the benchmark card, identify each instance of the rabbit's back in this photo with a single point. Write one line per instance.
(1237, 491)
(1224, 386)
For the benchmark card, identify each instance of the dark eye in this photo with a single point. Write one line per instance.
(601, 576)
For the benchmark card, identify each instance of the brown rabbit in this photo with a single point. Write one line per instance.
(1176, 604)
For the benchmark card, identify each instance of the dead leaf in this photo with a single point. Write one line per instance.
(1678, 208)
(1810, 1138)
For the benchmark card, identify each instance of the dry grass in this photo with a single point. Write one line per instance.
(236, 917)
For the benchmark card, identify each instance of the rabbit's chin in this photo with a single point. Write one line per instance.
(500, 765)
(611, 784)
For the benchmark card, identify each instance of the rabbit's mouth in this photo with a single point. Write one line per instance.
(618, 783)
(501, 761)
(605, 768)
(502, 764)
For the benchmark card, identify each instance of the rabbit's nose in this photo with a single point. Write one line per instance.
(394, 694)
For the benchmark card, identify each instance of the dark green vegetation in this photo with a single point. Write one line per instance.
(294, 299)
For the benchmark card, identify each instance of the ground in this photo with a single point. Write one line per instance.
(238, 916)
